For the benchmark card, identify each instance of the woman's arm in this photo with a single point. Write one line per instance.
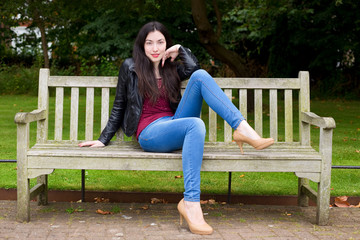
(117, 111)
(189, 63)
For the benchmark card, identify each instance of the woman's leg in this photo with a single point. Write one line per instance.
(167, 134)
(201, 87)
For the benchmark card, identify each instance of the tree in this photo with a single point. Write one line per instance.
(210, 39)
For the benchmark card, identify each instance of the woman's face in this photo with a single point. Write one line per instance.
(155, 46)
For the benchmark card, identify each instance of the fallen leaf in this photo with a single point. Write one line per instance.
(203, 201)
(156, 200)
(178, 176)
(357, 206)
(99, 211)
(212, 201)
(241, 176)
(99, 200)
(146, 207)
(341, 201)
(358, 151)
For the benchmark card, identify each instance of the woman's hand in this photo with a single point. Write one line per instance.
(171, 52)
(92, 144)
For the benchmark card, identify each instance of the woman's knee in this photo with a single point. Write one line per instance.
(198, 125)
(199, 74)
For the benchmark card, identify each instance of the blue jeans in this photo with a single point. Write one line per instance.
(186, 131)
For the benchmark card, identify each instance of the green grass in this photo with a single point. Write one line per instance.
(346, 149)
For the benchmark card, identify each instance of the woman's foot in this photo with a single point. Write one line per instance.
(193, 215)
(246, 134)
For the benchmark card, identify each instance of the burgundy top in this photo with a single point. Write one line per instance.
(152, 112)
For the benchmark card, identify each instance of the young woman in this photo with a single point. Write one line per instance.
(148, 103)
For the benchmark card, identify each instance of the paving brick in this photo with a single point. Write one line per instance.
(161, 222)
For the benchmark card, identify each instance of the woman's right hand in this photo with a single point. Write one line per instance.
(92, 144)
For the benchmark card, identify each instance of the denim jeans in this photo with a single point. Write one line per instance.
(186, 131)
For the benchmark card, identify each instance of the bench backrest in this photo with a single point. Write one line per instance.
(272, 97)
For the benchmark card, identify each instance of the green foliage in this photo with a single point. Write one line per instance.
(275, 38)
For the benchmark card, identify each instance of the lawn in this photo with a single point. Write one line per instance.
(346, 151)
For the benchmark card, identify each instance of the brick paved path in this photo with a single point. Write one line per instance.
(160, 222)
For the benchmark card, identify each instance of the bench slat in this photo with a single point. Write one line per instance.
(288, 116)
(74, 114)
(243, 102)
(59, 105)
(234, 83)
(212, 125)
(227, 128)
(89, 122)
(273, 114)
(258, 111)
(105, 96)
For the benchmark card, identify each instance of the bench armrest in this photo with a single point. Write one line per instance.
(27, 117)
(322, 122)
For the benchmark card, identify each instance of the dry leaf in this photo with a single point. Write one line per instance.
(241, 176)
(212, 201)
(146, 207)
(99, 211)
(178, 176)
(357, 206)
(98, 200)
(203, 201)
(156, 200)
(341, 201)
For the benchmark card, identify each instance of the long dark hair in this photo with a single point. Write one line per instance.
(145, 69)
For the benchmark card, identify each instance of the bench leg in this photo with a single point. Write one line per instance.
(303, 199)
(323, 201)
(23, 183)
(23, 200)
(42, 198)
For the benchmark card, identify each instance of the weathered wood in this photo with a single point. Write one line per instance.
(313, 119)
(323, 200)
(273, 114)
(25, 117)
(212, 125)
(315, 177)
(105, 95)
(227, 128)
(36, 190)
(311, 193)
(43, 104)
(23, 188)
(89, 122)
(74, 113)
(304, 106)
(126, 154)
(243, 102)
(258, 112)
(59, 106)
(288, 116)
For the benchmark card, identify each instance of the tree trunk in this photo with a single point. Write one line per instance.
(209, 39)
(39, 22)
(44, 45)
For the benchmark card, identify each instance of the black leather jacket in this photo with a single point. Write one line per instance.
(128, 102)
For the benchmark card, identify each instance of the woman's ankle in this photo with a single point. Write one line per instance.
(245, 129)
(194, 212)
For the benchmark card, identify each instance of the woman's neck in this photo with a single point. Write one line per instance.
(156, 70)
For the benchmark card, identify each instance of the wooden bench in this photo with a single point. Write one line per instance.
(286, 155)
